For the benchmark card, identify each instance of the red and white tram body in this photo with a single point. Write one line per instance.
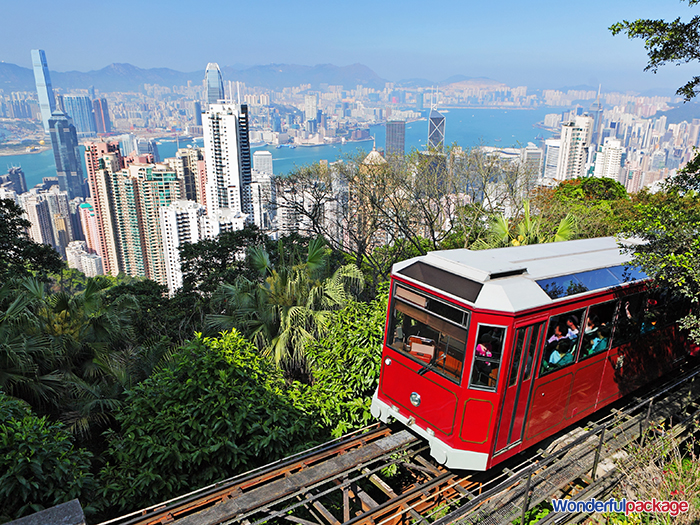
(488, 352)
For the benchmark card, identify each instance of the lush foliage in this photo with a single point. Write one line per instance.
(39, 466)
(19, 255)
(288, 307)
(525, 230)
(218, 410)
(669, 222)
(597, 206)
(673, 42)
(345, 366)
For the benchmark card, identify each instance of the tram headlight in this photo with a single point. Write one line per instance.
(415, 399)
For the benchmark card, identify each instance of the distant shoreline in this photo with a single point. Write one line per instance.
(11, 152)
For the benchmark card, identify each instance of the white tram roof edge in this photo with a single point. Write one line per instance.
(508, 275)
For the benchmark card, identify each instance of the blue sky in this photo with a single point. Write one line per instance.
(539, 43)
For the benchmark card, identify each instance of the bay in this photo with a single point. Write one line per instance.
(468, 127)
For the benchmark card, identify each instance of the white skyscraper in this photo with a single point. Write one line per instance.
(609, 159)
(552, 147)
(262, 162)
(180, 223)
(575, 142)
(227, 156)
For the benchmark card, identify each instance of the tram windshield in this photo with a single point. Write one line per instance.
(428, 330)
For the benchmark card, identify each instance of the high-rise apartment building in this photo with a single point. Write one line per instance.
(66, 153)
(101, 114)
(44, 90)
(14, 180)
(395, 138)
(190, 167)
(181, 222)
(79, 109)
(101, 160)
(37, 211)
(609, 159)
(262, 162)
(214, 84)
(228, 162)
(532, 159)
(310, 107)
(552, 147)
(575, 143)
(137, 192)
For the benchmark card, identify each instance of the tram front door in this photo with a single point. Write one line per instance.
(523, 359)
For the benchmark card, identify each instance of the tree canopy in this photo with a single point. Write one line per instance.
(674, 42)
(19, 255)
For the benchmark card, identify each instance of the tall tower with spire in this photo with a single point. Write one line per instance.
(436, 126)
(214, 83)
(596, 111)
(44, 90)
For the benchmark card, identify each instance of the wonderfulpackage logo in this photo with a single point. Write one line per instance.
(674, 508)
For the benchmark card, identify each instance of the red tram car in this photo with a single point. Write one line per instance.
(488, 352)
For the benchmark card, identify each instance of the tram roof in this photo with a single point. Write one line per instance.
(507, 279)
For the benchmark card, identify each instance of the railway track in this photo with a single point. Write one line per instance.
(380, 476)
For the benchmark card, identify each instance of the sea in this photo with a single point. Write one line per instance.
(465, 127)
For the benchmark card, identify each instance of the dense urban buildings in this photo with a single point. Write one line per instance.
(140, 208)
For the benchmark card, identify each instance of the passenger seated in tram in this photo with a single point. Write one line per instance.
(572, 327)
(559, 350)
(595, 337)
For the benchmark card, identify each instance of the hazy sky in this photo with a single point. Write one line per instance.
(539, 43)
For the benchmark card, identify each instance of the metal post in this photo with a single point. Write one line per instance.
(597, 454)
(526, 500)
(646, 420)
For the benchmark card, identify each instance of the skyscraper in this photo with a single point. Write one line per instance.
(436, 130)
(101, 114)
(310, 107)
(262, 162)
(79, 108)
(395, 138)
(609, 159)
(66, 153)
(44, 90)
(214, 83)
(102, 159)
(227, 156)
(573, 153)
(181, 222)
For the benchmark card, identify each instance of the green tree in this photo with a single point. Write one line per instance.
(527, 230)
(218, 410)
(669, 222)
(290, 307)
(19, 255)
(674, 42)
(599, 205)
(345, 366)
(39, 466)
(212, 262)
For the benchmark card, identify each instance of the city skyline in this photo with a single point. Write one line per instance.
(539, 44)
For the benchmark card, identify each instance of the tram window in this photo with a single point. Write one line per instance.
(629, 317)
(539, 329)
(437, 342)
(562, 341)
(487, 357)
(598, 329)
